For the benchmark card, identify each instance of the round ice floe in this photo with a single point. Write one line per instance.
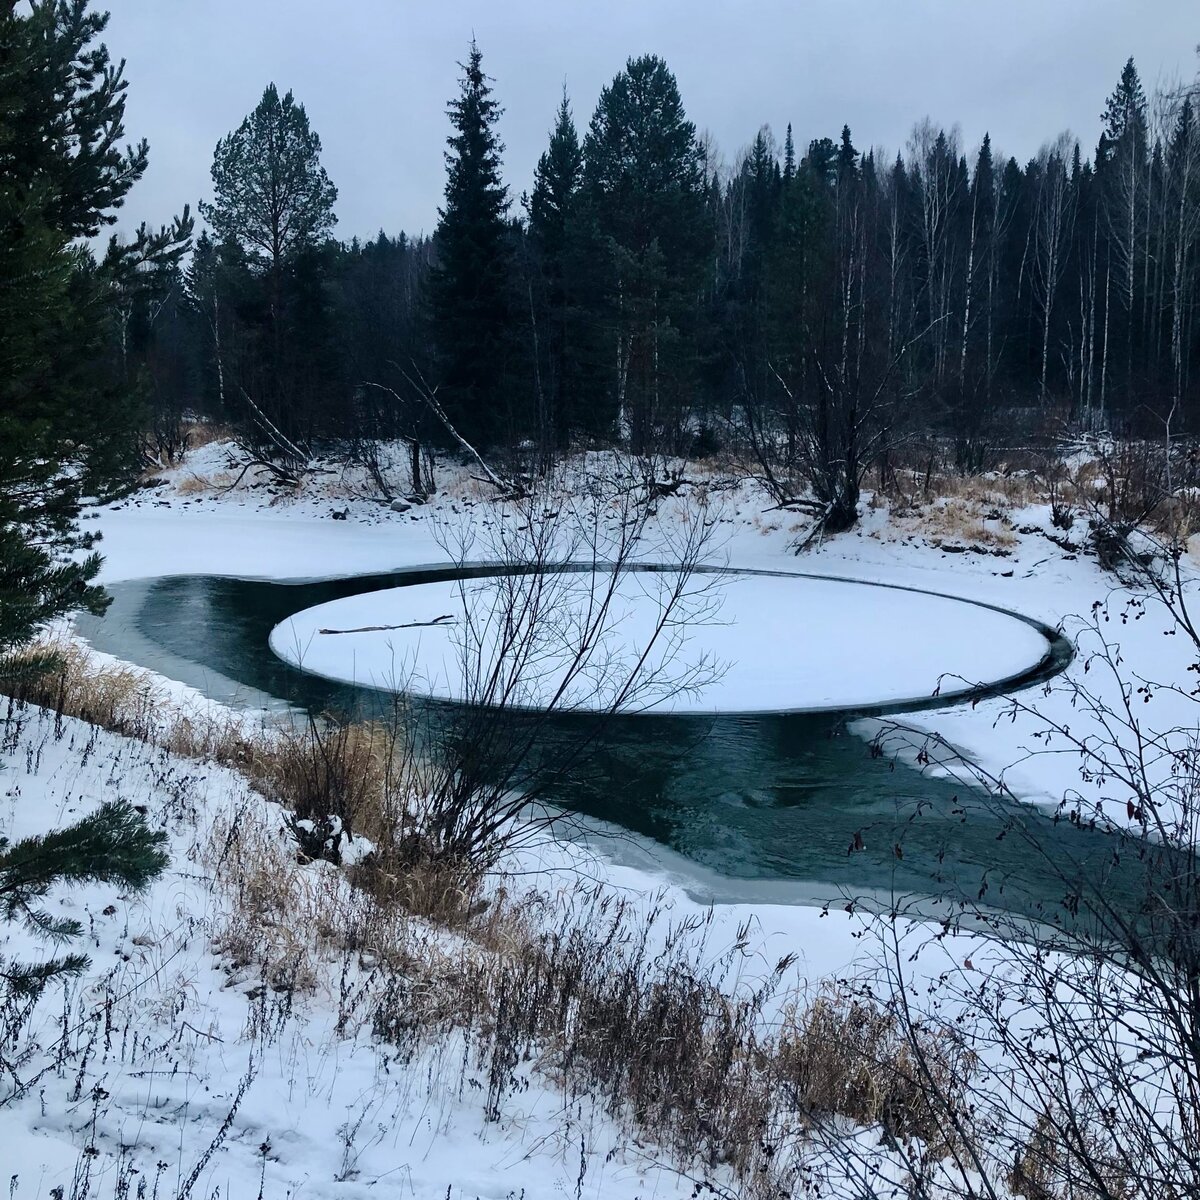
(729, 642)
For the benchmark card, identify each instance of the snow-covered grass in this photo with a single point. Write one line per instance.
(264, 1025)
(183, 1063)
(256, 1020)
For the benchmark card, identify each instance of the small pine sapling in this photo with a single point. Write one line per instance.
(112, 845)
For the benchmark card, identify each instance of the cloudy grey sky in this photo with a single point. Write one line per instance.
(375, 76)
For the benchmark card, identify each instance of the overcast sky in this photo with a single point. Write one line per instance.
(375, 76)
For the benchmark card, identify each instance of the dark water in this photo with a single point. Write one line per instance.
(765, 805)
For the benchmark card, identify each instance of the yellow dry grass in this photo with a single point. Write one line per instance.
(1004, 489)
(841, 1053)
(194, 484)
(956, 521)
(205, 433)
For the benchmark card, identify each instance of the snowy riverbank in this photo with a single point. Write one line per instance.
(180, 1058)
(1011, 557)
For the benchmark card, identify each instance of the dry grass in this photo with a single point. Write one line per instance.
(204, 433)
(956, 521)
(115, 697)
(968, 522)
(282, 918)
(332, 778)
(194, 484)
(622, 1006)
(844, 1054)
(1044, 1169)
(998, 488)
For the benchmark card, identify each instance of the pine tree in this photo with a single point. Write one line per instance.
(270, 193)
(68, 417)
(272, 210)
(69, 422)
(113, 845)
(822, 159)
(470, 286)
(762, 186)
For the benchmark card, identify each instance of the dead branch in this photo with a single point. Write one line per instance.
(447, 618)
(428, 395)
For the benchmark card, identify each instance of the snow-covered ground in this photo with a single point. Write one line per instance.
(144, 1061)
(172, 1043)
(183, 1057)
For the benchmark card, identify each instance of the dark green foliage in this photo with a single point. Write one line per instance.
(70, 412)
(645, 187)
(271, 196)
(113, 845)
(798, 302)
(271, 215)
(556, 183)
(1124, 113)
(471, 286)
(69, 419)
(567, 257)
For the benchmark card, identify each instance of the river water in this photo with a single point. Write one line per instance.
(745, 807)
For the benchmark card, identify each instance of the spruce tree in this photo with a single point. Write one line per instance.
(1124, 113)
(556, 183)
(646, 186)
(847, 154)
(559, 235)
(1121, 171)
(470, 285)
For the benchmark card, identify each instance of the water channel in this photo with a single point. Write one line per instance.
(744, 806)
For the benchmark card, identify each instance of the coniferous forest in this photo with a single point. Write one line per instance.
(810, 304)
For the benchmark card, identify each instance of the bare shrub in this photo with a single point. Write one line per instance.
(1042, 1171)
(541, 636)
(1085, 1024)
(1130, 477)
(1127, 484)
(332, 776)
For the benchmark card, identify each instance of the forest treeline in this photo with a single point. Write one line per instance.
(803, 304)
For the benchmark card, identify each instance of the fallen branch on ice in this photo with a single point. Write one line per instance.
(383, 628)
